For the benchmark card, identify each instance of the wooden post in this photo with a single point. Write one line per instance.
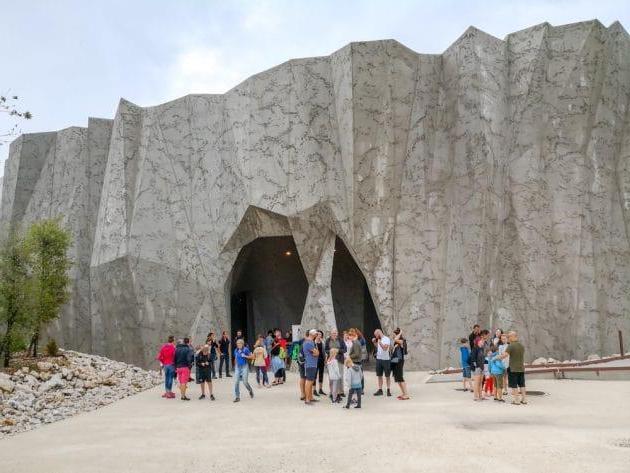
(621, 343)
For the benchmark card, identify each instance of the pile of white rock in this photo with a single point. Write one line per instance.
(63, 386)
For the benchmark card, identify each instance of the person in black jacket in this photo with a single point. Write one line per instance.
(204, 361)
(224, 349)
(477, 359)
(474, 335)
(183, 361)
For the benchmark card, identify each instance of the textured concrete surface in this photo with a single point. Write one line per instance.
(490, 184)
(577, 427)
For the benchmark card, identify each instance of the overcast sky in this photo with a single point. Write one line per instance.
(69, 60)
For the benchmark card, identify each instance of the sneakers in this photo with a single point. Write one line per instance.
(165, 395)
(379, 392)
(203, 396)
(237, 399)
(321, 391)
(170, 395)
(184, 398)
(212, 397)
(389, 393)
(315, 393)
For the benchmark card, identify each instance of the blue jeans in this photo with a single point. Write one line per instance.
(263, 370)
(241, 373)
(224, 358)
(169, 376)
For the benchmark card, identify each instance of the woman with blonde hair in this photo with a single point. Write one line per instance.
(260, 363)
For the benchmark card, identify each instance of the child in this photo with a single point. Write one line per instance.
(355, 377)
(476, 366)
(334, 375)
(464, 353)
(488, 384)
(260, 354)
(497, 370)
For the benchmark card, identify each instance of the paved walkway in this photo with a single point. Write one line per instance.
(440, 430)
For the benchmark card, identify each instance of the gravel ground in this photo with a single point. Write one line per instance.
(581, 426)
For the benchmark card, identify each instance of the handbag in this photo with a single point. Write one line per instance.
(396, 355)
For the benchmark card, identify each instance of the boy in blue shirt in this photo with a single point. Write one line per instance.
(464, 359)
(241, 369)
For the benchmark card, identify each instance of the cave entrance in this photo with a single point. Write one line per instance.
(268, 287)
(351, 297)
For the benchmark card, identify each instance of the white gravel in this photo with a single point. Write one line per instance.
(64, 386)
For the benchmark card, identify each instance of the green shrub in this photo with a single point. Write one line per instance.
(51, 348)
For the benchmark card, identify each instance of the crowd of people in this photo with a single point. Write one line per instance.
(340, 358)
(491, 364)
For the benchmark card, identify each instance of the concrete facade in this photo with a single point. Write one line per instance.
(490, 184)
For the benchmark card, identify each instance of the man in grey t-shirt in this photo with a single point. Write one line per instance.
(383, 363)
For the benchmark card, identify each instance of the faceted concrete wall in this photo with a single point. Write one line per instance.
(489, 183)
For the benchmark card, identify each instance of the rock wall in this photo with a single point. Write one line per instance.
(487, 184)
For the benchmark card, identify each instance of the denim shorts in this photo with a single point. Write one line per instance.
(466, 372)
(310, 373)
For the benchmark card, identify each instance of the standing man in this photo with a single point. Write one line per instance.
(166, 357)
(474, 335)
(183, 361)
(516, 369)
(241, 369)
(311, 354)
(383, 363)
(224, 349)
(238, 336)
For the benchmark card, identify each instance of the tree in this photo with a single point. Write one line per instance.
(9, 106)
(15, 292)
(47, 244)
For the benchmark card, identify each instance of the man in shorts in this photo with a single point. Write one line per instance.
(516, 368)
(183, 361)
(383, 363)
(311, 355)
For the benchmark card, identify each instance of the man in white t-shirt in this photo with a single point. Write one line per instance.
(383, 364)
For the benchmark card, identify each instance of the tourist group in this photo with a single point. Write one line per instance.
(492, 364)
(342, 358)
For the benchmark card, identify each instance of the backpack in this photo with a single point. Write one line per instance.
(301, 358)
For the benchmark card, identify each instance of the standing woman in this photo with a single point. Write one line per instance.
(497, 337)
(214, 349)
(277, 363)
(363, 343)
(203, 360)
(398, 361)
(288, 337)
(321, 363)
(260, 355)
(503, 344)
